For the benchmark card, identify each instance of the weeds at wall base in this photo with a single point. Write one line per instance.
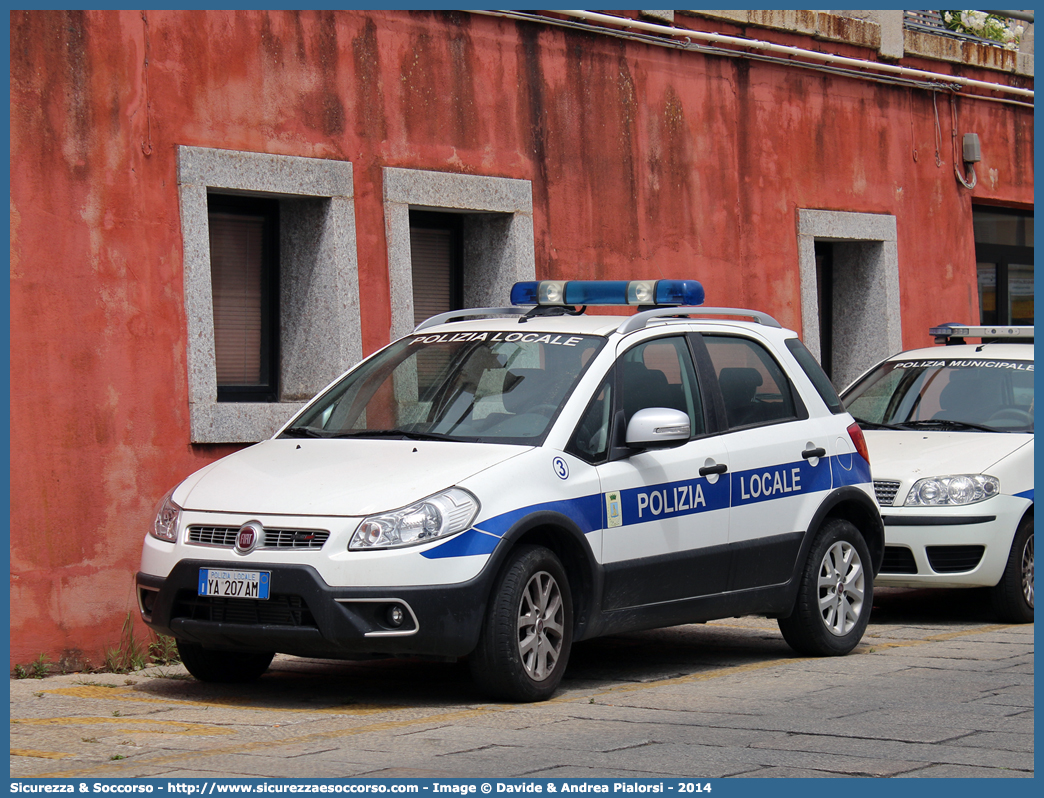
(129, 654)
(37, 669)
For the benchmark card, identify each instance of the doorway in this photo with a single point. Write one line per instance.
(849, 290)
(1004, 263)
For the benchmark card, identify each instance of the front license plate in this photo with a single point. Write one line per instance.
(234, 584)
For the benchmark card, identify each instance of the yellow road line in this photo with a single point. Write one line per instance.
(125, 694)
(448, 717)
(128, 724)
(864, 648)
(940, 637)
(39, 754)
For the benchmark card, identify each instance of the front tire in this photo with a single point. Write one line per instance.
(228, 667)
(525, 641)
(835, 594)
(1012, 598)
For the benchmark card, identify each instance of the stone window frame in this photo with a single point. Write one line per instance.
(320, 332)
(498, 234)
(874, 312)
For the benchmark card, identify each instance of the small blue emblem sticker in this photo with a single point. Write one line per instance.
(561, 468)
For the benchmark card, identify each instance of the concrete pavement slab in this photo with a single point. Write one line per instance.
(944, 753)
(965, 772)
(713, 701)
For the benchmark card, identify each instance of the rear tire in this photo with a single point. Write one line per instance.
(526, 638)
(228, 667)
(835, 594)
(1012, 598)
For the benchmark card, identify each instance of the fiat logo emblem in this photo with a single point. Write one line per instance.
(248, 536)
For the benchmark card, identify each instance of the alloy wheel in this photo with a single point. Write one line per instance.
(1027, 571)
(841, 588)
(541, 621)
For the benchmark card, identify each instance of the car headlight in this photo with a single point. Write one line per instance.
(952, 490)
(165, 527)
(438, 516)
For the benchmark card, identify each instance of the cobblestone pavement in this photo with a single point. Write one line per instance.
(936, 689)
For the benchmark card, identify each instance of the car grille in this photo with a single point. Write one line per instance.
(225, 537)
(885, 490)
(898, 560)
(279, 610)
(954, 559)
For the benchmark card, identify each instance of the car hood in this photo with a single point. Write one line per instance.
(334, 477)
(902, 454)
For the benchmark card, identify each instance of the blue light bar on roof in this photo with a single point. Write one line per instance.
(660, 293)
(947, 330)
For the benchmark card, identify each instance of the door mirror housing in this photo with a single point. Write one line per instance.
(657, 427)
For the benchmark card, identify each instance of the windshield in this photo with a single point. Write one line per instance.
(474, 386)
(946, 394)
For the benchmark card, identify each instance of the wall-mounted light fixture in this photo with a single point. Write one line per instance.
(971, 154)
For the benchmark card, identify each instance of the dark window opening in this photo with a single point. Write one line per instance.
(244, 247)
(1004, 261)
(825, 286)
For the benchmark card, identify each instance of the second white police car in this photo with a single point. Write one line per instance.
(950, 431)
(498, 488)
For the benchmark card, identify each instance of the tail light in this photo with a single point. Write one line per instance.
(855, 432)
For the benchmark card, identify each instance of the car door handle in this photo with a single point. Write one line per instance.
(719, 468)
(819, 451)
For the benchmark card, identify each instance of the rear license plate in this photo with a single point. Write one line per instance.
(234, 584)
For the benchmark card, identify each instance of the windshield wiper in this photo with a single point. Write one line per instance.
(873, 424)
(945, 423)
(394, 433)
(304, 432)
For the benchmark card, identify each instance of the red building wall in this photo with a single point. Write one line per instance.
(644, 161)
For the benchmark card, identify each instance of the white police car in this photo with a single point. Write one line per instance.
(950, 432)
(498, 488)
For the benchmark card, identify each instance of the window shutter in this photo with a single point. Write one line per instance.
(237, 272)
(432, 252)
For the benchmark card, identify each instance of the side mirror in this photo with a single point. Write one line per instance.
(656, 427)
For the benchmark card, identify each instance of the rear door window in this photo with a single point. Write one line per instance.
(753, 385)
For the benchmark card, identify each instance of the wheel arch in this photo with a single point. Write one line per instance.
(852, 505)
(561, 535)
(862, 512)
(859, 509)
(1027, 515)
(1012, 596)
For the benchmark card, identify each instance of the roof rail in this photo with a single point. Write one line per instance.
(639, 320)
(631, 323)
(467, 313)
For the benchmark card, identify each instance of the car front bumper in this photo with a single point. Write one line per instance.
(949, 546)
(307, 617)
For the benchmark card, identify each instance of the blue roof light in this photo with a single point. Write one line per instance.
(678, 292)
(524, 293)
(661, 293)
